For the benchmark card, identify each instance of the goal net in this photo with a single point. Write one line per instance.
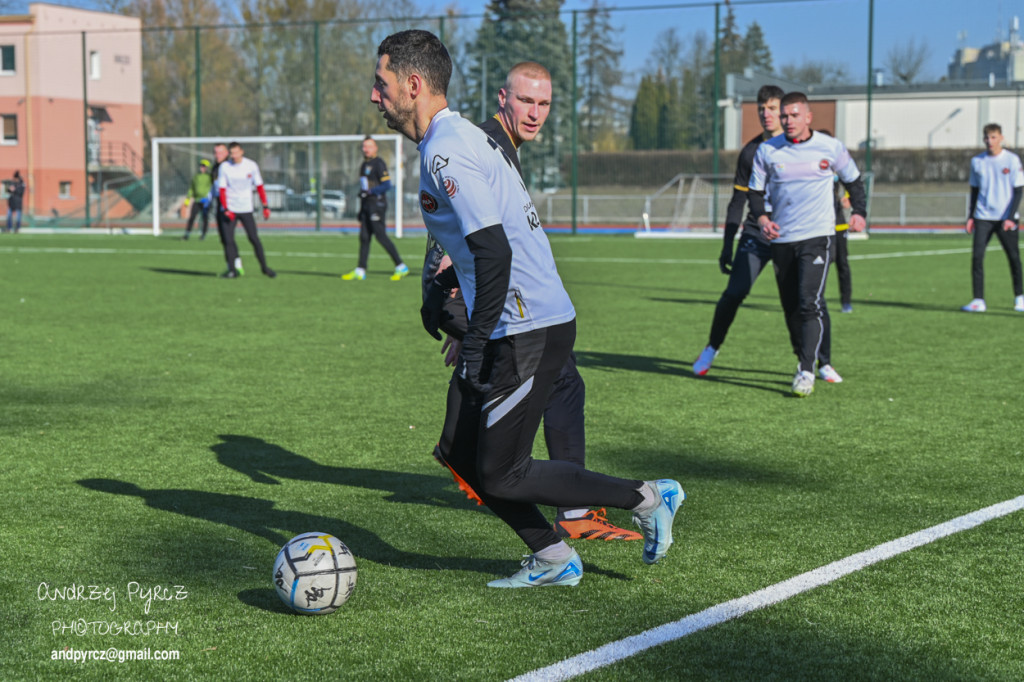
(686, 205)
(311, 181)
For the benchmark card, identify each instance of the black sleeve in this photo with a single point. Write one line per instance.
(1011, 211)
(757, 204)
(734, 213)
(492, 257)
(974, 202)
(858, 198)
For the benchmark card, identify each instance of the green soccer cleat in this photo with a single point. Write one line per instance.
(356, 275)
(400, 271)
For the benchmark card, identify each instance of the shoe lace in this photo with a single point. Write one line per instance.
(599, 516)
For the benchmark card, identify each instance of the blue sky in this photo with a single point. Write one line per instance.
(821, 29)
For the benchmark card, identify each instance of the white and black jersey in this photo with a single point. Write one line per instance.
(995, 176)
(467, 183)
(799, 178)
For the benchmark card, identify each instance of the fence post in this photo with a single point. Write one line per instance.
(715, 126)
(575, 118)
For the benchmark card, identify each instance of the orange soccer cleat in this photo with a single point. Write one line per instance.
(593, 526)
(463, 486)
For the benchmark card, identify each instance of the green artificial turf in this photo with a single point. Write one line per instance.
(162, 427)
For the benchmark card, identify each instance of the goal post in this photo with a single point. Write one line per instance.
(174, 160)
(688, 205)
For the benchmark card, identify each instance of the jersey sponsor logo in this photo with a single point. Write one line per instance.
(427, 202)
(438, 163)
(451, 186)
(823, 164)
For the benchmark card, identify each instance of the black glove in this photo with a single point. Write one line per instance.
(469, 368)
(725, 259)
(433, 312)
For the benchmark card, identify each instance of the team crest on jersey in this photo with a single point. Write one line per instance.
(438, 163)
(427, 202)
(451, 186)
(1006, 171)
(823, 164)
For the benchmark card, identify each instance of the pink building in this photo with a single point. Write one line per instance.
(71, 105)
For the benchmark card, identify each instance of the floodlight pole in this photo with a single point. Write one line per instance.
(574, 122)
(85, 110)
(717, 110)
(871, 74)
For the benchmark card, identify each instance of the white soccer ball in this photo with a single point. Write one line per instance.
(314, 573)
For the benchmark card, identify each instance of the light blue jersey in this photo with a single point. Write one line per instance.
(995, 176)
(467, 183)
(799, 178)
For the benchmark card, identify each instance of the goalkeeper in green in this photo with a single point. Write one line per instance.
(199, 197)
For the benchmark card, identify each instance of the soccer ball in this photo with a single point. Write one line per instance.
(314, 573)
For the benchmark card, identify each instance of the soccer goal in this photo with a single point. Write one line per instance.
(688, 205)
(310, 180)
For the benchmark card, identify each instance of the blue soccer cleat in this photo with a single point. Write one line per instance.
(656, 524)
(537, 572)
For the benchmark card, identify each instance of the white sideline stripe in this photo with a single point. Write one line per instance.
(720, 613)
(563, 259)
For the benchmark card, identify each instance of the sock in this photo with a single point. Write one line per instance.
(651, 499)
(238, 264)
(360, 271)
(555, 553)
(574, 514)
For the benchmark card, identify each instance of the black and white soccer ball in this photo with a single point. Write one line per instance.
(314, 573)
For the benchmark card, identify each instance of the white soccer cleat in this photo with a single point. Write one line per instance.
(703, 362)
(803, 383)
(975, 306)
(1018, 304)
(828, 373)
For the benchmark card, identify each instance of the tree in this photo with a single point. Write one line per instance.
(905, 62)
(756, 51)
(816, 72)
(599, 75)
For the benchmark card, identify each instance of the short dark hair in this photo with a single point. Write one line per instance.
(992, 128)
(369, 137)
(794, 98)
(421, 52)
(768, 92)
(233, 145)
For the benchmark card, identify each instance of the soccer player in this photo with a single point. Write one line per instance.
(521, 324)
(796, 170)
(996, 181)
(236, 179)
(374, 182)
(199, 190)
(755, 250)
(842, 202)
(524, 103)
(15, 194)
(220, 155)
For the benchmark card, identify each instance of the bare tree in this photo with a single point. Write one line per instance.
(816, 72)
(905, 61)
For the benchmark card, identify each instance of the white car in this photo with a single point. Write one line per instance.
(333, 202)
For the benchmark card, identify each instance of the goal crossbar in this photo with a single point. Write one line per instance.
(399, 170)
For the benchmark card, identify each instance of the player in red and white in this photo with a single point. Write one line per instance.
(996, 181)
(236, 179)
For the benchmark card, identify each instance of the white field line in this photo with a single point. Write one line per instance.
(720, 613)
(561, 259)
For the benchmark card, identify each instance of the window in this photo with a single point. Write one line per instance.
(65, 189)
(10, 126)
(7, 59)
(94, 65)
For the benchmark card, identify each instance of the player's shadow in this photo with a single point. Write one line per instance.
(310, 273)
(175, 271)
(261, 518)
(265, 462)
(747, 304)
(643, 363)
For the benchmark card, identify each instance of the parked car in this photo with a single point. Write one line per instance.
(333, 201)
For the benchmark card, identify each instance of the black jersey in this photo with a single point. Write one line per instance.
(741, 190)
(214, 172)
(373, 172)
(496, 131)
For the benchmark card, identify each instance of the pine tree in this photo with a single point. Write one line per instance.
(598, 74)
